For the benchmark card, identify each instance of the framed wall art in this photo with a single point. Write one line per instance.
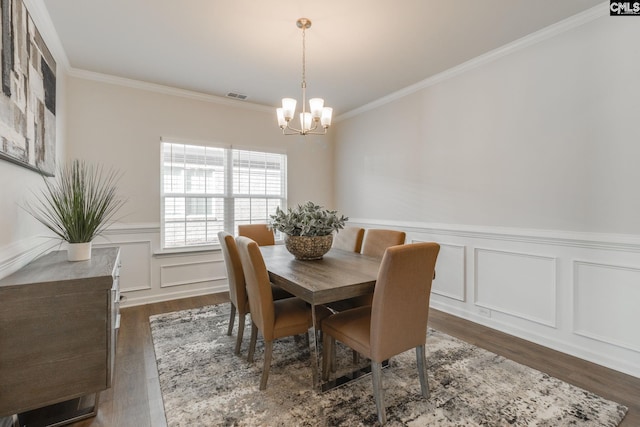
(28, 98)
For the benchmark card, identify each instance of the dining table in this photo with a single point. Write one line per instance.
(337, 276)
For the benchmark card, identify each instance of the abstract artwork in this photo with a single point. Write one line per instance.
(28, 98)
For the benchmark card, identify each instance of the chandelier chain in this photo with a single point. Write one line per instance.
(304, 66)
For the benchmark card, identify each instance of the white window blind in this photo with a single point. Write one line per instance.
(208, 189)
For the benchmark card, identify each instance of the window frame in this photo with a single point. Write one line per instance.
(229, 198)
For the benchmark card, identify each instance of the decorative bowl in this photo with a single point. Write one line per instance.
(308, 247)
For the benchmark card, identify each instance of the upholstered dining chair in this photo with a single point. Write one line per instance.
(348, 239)
(237, 286)
(259, 233)
(395, 322)
(274, 319)
(377, 240)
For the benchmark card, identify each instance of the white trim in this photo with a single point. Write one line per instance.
(131, 301)
(16, 255)
(618, 242)
(166, 90)
(132, 228)
(199, 142)
(524, 42)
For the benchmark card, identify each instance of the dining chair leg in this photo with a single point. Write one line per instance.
(268, 350)
(422, 372)
(333, 356)
(241, 321)
(252, 342)
(378, 391)
(232, 317)
(328, 343)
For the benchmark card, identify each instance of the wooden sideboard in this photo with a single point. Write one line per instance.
(58, 330)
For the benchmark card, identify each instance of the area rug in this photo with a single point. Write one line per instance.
(204, 384)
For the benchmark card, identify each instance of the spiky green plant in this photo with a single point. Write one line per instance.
(307, 220)
(79, 204)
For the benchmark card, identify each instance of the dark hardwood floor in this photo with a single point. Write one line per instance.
(135, 399)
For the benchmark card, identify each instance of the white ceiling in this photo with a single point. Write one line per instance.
(357, 50)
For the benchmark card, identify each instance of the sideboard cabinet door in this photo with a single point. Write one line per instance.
(58, 330)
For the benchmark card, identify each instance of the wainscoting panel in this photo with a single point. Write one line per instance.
(528, 283)
(188, 273)
(135, 257)
(450, 272)
(597, 313)
(574, 292)
(517, 284)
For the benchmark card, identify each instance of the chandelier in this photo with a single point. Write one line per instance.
(317, 116)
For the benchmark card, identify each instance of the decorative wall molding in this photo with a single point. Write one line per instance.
(133, 299)
(166, 90)
(126, 271)
(596, 287)
(586, 309)
(617, 242)
(518, 284)
(132, 228)
(450, 272)
(165, 269)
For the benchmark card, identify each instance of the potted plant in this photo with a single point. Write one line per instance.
(78, 205)
(308, 229)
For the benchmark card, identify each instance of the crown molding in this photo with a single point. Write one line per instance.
(166, 90)
(553, 30)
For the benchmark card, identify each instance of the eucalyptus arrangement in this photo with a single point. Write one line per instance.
(308, 219)
(79, 204)
(308, 229)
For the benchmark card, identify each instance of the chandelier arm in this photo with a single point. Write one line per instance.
(296, 131)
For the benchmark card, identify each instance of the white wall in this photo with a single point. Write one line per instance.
(546, 137)
(119, 124)
(525, 169)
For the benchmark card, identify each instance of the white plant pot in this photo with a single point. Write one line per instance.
(79, 251)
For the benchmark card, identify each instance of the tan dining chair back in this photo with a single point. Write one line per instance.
(376, 241)
(349, 239)
(237, 286)
(274, 319)
(260, 233)
(395, 322)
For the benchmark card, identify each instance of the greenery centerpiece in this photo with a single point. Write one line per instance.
(308, 229)
(78, 205)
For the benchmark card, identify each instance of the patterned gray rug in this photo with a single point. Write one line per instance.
(204, 384)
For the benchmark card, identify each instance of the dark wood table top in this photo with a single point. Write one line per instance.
(337, 276)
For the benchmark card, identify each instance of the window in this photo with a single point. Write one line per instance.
(206, 189)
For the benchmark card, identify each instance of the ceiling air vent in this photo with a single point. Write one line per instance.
(236, 95)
